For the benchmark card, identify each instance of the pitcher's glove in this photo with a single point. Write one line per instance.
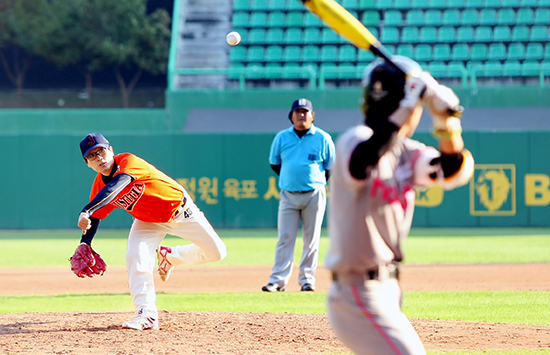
(86, 262)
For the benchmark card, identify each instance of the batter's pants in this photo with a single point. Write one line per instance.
(145, 237)
(366, 316)
(293, 207)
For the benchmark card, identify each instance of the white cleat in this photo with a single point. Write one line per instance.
(142, 322)
(165, 267)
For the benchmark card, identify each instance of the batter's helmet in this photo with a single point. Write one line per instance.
(384, 86)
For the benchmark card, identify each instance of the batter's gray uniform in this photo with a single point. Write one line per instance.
(368, 220)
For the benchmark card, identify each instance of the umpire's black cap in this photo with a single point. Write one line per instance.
(300, 103)
(91, 141)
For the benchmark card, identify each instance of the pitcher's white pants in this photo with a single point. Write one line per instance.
(145, 237)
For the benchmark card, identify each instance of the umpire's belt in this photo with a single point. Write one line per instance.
(180, 208)
(300, 192)
(382, 273)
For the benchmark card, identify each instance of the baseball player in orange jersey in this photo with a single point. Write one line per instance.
(159, 206)
(371, 209)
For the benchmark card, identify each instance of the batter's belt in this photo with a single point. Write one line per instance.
(383, 273)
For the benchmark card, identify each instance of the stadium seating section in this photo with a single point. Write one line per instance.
(485, 38)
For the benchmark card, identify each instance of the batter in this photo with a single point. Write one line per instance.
(159, 205)
(371, 207)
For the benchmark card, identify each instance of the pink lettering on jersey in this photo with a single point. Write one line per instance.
(391, 194)
(128, 200)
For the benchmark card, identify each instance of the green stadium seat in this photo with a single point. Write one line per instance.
(456, 4)
(234, 71)
(510, 3)
(442, 52)
(241, 5)
(365, 56)
(437, 69)
(483, 34)
(274, 54)
(393, 18)
(530, 68)
(520, 34)
(542, 17)
(525, 16)
(497, 51)
(476, 4)
(465, 34)
(293, 35)
(528, 3)
(502, 34)
(451, 17)
(255, 54)
(506, 17)
(470, 17)
(543, 3)
(374, 31)
(240, 19)
(492, 69)
(351, 4)
(346, 71)
(294, 19)
(409, 35)
(539, 34)
(310, 54)
(292, 54)
(274, 35)
(455, 70)
(446, 35)
(390, 35)
(347, 53)
(534, 51)
(460, 52)
(294, 5)
(479, 52)
(428, 34)
(276, 19)
(256, 36)
(254, 71)
(258, 19)
(370, 18)
(329, 54)
(259, 5)
(273, 71)
(545, 68)
(237, 54)
(423, 52)
(277, 5)
(292, 71)
(419, 4)
(438, 4)
(406, 50)
(516, 51)
(328, 36)
(384, 4)
(329, 71)
(432, 18)
(402, 4)
(311, 20)
(488, 17)
(511, 68)
(244, 34)
(547, 52)
(492, 4)
(312, 35)
(305, 74)
(367, 4)
(391, 48)
(414, 18)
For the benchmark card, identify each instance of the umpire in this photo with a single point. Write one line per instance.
(302, 156)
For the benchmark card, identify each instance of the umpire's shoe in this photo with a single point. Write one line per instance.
(272, 288)
(165, 267)
(308, 288)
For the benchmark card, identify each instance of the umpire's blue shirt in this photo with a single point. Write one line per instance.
(303, 160)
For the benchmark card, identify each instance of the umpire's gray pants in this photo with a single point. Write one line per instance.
(310, 208)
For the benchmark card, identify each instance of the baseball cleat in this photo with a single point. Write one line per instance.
(308, 288)
(272, 288)
(165, 267)
(142, 322)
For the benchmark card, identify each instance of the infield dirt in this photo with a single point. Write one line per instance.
(248, 333)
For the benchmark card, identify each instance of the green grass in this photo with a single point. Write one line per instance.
(256, 246)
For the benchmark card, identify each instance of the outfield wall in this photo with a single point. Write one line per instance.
(46, 183)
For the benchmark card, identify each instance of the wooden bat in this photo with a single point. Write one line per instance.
(346, 25)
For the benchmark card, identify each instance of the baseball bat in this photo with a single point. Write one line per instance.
(346, 25)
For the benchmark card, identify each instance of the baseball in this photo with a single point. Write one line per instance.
(233, 38)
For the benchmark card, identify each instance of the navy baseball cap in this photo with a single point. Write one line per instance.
(92, 141)
(300, 103)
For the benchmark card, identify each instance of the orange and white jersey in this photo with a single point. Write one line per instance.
(152, 196)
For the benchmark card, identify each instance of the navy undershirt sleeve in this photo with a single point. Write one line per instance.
(108, 193)
(90, 233)
(368, 153)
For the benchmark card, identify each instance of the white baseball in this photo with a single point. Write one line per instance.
(233, 38)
